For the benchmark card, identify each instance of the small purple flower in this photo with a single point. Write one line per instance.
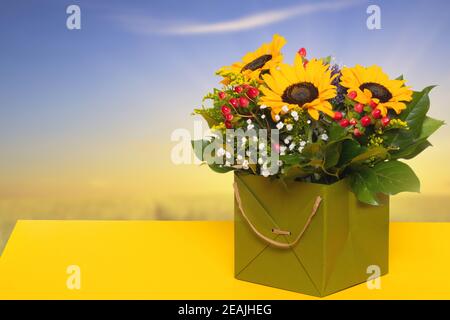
(340, 90)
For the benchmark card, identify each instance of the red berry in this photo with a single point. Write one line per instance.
(229, 117)
(365, 121)
(337, 116)
(228, 124)
(376, 113)
(234, 102)
(222, 95)
(252, 92)
(302, 52)
(243, 102)
(344, 123)
(373, 104)
(385, 121)
(226, 110)
(238, 89)
(353, 122)
(305, 63)
(352, 95)
(245, 86)
(359, 107)
(357, 133)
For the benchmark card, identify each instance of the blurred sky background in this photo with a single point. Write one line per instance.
(86, 115)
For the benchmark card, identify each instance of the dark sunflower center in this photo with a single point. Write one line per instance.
(257, 63)
(378, 91)
(300, 93)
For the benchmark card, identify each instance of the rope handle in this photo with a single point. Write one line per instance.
(270, 241)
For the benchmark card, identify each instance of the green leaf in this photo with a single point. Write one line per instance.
(332, 154)
(337, 135)
(412, 150)
(400, 77)
(326, 60)
(350, 149)
(429, 126)
(416, 146)
(291, 159)
(296, 171)
(211, 116)
(220, 168)
(414, 115)
(336, 132)
(416, 110)
(377, 152)
(395, 176)
(364, 184)
(313, 154)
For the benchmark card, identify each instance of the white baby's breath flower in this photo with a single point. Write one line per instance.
(220, 152)
(280, 163)
(244, 140)
(284, 109)
(239, 157)
(292, 146)
(260, 161)
(289, 127)
(265, 173)
(308, 122)
(280, 125)
(249, 121)
(263, 106)
(250, 127)
(245, 164)
(294, 114)
(302, 143)
(261, 146)
(324, 137)
(277, 117)
(227, 155)
(263, 116)
(300, 149)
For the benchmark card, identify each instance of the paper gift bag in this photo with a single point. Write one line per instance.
(310, 238)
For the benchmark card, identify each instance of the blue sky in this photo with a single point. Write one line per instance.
(136, 69)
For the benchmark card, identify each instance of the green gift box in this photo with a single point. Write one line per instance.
(310, 238)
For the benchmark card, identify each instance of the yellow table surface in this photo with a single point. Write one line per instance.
(189, 260)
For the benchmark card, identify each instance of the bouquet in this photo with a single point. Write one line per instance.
(326, 123)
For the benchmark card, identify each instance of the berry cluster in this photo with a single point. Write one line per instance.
(302, 53)
(238, 97)
(361, 117)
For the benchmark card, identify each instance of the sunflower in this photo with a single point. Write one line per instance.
(258, 62)
(308, 87)
(372, 84)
